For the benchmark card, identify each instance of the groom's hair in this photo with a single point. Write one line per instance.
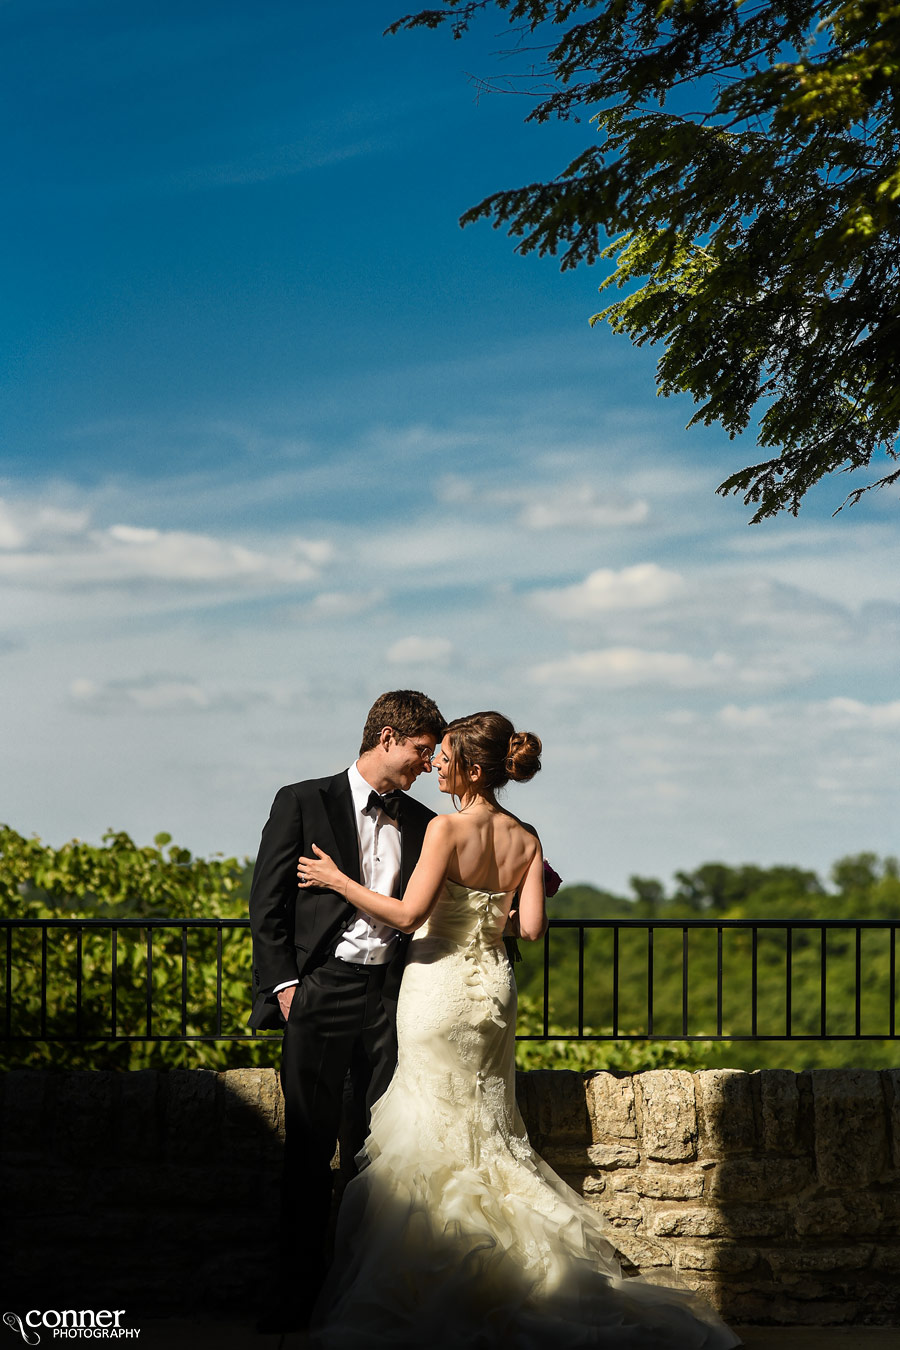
(407, 712)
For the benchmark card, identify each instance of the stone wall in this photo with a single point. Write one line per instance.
(776, 1194)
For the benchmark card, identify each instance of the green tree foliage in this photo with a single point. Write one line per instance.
(616, 1056)
(746, 169)
(863, 887)
(121, 881)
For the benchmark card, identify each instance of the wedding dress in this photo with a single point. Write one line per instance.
(455, 1233)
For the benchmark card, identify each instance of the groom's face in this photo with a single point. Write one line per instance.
(405, 760)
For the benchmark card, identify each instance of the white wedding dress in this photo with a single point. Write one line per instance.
(456, 1234)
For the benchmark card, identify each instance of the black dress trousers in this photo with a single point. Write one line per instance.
(339, 1036)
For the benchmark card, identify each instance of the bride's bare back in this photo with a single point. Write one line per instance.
(492, 850)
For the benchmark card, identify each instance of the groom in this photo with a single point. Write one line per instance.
(328, 974)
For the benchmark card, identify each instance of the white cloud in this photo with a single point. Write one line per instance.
(177, 555)
(164, 694)
(343, 604)
(11, 534)
(581, 507)
(57, 549)
(644, 767)
(848, 712)
(633, 667)
(142, 695)
(419, 651)
(21, 526)
(625, 667)
(755, 716)
(548, 506)
(639, 587)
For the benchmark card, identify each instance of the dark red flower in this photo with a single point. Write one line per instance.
(552, 880)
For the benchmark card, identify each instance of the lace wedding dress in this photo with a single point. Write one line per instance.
(455, 1233)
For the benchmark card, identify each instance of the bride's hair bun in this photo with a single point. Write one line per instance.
(523, 759)
(489, 741)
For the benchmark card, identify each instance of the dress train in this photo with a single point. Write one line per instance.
(456, 1234)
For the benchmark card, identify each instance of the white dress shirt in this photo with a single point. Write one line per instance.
(366, 942)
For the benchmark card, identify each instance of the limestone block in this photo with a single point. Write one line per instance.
(621, 1222)
(24, 1118)
(260, 1091)
(218, 1188)
(250, 1112)
(668, 1115)
(641, 1251)
(780, 1101)
(713, 1256)
(140, 1187)
(271, 1100)
(552, 1102)
(137, 1131)
(565, 1157)
(891, 1082)
(610, 1102)
(887, 1258)
(818, 1260)
(593, 1184)
(759, 1178)
(662, 1183)
(42, 1191)
(850, 1125)
(771, 1306)
(725, 1112)
(621, 1205)
(744, 1221)
(881, 1303)
(838, 1216)
(84, 1115)
(709, 1289)
(191, 1114)
(610, 1157)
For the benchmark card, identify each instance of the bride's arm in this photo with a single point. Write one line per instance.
(532, 906)
(421, 894)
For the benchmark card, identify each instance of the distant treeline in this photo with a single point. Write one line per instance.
(862, 886)
(119, 880)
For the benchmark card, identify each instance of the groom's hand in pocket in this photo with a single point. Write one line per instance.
(285, 999)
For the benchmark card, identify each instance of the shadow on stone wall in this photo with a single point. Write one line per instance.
(774, 1194)
(805, 1184)
(155, 1192)
(777, 1195)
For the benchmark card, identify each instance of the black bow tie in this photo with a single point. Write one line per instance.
(390, 803)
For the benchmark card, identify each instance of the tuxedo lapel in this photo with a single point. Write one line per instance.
(338, 802)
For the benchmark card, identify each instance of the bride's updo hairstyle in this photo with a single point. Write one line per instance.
(490, 741)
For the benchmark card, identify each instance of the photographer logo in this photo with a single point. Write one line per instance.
(80, 1323)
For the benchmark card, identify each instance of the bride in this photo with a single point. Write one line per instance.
(455, 1233)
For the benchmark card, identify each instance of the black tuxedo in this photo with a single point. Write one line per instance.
(342, 1017)
(294, 930)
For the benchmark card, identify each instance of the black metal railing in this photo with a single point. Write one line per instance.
(635, 979)
(754, 990)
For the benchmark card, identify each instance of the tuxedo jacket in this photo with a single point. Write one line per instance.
(295, 929)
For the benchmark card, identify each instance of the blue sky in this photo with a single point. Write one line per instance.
(277, 435)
